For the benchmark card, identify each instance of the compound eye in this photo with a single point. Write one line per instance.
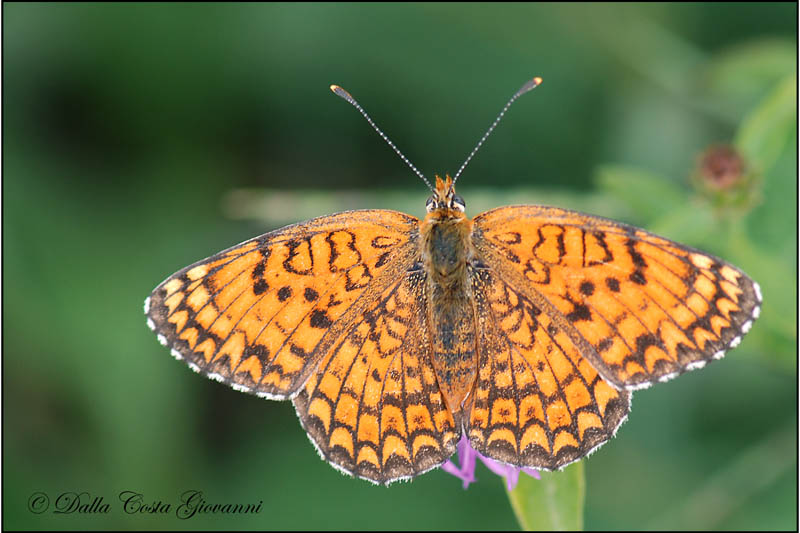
(459, 203)
(430, 204)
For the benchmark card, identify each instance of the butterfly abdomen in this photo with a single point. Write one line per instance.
(451, 312)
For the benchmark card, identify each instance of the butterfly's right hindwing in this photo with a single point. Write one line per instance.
(373, 407)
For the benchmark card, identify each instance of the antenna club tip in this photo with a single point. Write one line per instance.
(529, 86)
(338, 91)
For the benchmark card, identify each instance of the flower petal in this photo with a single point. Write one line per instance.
(467, 456)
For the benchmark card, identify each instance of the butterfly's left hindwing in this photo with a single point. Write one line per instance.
(260, 316)
(537, 402)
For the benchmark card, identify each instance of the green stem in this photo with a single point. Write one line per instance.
(553, 503)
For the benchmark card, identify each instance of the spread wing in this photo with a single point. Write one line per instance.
(261, 315)
(373, 407)
(639, 307)
(537, 401)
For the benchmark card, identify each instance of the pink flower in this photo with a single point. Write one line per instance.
(466, 472)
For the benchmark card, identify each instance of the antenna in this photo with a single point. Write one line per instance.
(338, 91)
(529, 86)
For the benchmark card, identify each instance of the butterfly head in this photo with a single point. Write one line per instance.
(444, 197)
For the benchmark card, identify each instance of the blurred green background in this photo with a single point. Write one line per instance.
(140, 138)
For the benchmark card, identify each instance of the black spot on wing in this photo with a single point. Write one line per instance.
(612, 284)
(587, 288)
(579, 312)
(320, 320)
(260, 287)
(638, 278)
(284, 293)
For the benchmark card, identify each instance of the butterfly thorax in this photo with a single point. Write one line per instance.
(446, 251)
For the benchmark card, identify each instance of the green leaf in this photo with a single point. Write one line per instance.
(765, 131)
(691, 223)
(737, 78)
(553, 503)
(647, 195)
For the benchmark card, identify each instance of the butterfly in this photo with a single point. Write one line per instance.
(525, 328)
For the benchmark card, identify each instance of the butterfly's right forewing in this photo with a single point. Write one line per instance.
(260, 316)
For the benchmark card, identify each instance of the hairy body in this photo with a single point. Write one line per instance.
(446, 254)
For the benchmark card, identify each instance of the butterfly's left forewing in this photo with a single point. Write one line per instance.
(260, 316)
(639, 307)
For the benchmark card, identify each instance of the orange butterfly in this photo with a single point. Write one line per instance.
(525, 328)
